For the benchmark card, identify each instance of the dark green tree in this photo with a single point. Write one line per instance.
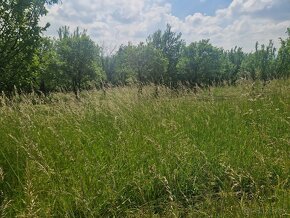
(50, 77)
(150, 65)
(108, 63)
(283, 59)
(20, 36)
(261, 64)
(236, 57)
(80, 60)
(248, 67)
(171, 45)
(266, 61)
(125, 73)
(203, 64)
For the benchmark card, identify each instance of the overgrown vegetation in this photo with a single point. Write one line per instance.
(223, 152)
(157, 129)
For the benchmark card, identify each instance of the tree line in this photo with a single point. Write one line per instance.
(74, 62)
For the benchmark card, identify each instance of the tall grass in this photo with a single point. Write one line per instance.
(223, 152)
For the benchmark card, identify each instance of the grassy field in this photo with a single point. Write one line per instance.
(218, 153)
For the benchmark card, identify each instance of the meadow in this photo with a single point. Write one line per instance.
(222, 152)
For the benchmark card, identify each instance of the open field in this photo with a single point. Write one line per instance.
(222, 153)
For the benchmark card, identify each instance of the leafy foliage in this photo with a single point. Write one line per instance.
(20, 35)
(236, 57)
(202, 63)
(74, 62)
(283, 59)
(131, 64)
(261, 64)
(80, 60)
(171, 45)
(124, 69)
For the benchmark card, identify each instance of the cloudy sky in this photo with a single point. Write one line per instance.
(225, 22)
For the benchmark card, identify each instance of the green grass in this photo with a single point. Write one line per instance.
(220, 153)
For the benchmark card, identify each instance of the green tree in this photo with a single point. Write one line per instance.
(248, 67)
(80, 60)
(150, 65)
(266, 61)
(236, 57)
(171, 45)
(50, 77)
(142, 64)
(123, 61)
(202, 64)
(108, 63)
(261, 64)
(20, 35)
(283, 59)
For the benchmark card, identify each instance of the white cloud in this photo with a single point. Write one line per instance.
(242, 23)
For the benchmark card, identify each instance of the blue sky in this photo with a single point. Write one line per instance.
(183, 8)
(227, 23)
